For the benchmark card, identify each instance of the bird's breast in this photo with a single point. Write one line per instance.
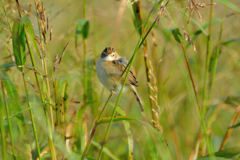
(105, 75)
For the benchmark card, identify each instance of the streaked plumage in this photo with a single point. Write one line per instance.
(109, 69)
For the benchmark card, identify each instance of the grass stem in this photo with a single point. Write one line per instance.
(9, 122)
(94, 129)
(32, 117)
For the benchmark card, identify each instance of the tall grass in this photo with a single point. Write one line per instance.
(54, 107)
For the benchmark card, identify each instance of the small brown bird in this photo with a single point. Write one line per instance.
(110, 67)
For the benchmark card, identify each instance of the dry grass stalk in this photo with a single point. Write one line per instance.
(55, 62)
(63, 53)
(187, 38)
(51, 33)
(154, 98)
(193, 6)
(39, 43)
(33, 69)
(29, 10)
(161, 12)
(44, 20)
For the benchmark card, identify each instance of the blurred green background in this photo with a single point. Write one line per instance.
(111, 24)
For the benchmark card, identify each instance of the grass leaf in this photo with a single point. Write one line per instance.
(233, 100)
(227, 153)
(230, 5)
(136, 15)
(235, 126)
(7, 66)
(28, 25)
(177, 35)
(116, 118)
(128, 130)
(105, 150)
(159, 141)
(18, 41)
(82, 29)
(15, 106)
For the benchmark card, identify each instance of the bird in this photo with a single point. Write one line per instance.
(110, 67)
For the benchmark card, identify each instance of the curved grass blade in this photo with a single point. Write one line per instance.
(7, 66)
(128, 130)
(61, 93)
(82, 29)
(232, 100)
(18, 41)
(105, 150)
(213, 158)
(159, 141)
(136, 15)
(116, 119)
(16, 107)
(28, 25)
(235, 126)
(177, 35)
(227, 43)
(227, 153)
(2, 129)
(229, 4)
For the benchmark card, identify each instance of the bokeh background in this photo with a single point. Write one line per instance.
(111, 24)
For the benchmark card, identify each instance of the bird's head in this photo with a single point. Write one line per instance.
(109, 54)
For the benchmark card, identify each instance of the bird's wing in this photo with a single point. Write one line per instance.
(120, 65)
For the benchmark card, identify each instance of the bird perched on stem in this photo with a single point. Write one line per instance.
(110, 67)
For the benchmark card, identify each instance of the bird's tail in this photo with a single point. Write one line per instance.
(137, 98)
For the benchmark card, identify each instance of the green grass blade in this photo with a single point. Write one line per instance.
(229, 4)
(232, 100)
(82, 29)
(235, 126)
(129, 133)
(105, 150)
(213, 158)
(7, 66)
(136, 15)
(2, 129)
(18, 41)
(177, 35)
(16, 107)
(159, 141)
(228, 153)
(28, 25)
(9, 122)
(116, 119)
(61, 88)
(227, 43)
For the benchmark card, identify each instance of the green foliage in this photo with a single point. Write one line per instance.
(82, 29)
(18, 41)
(28, 25)
(229, 4)
(227, 153)
(59, 115)
(177, 35)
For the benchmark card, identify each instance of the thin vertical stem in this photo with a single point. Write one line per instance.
(32, 117)
(94, 130)
(2, 130)
(203, 125)
(217, 54)
(51, 146)
(229, 131)
(5, 12)
(208, 55)
(9, 122)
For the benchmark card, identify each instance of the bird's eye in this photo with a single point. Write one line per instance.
(112, 55)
